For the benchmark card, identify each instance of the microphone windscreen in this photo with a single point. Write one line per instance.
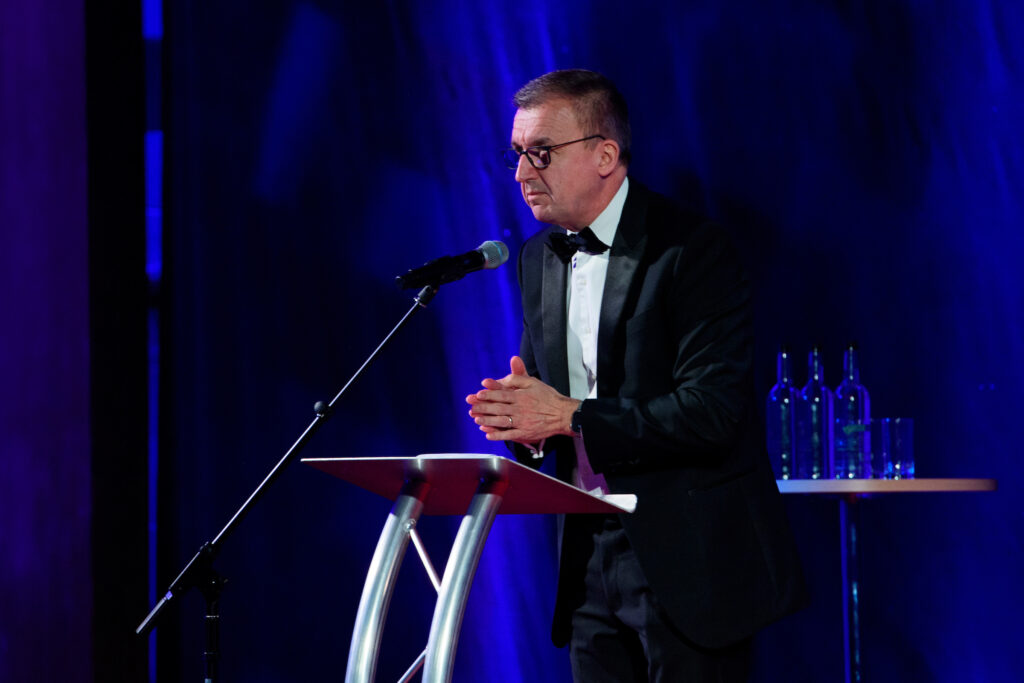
(495, 253)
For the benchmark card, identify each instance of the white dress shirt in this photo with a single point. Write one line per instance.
(583, 303)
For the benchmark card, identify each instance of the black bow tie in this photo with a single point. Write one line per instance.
(585, 240)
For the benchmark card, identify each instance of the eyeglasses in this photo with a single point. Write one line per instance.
(540, 156)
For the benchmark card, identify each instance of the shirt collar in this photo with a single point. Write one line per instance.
(607, 222)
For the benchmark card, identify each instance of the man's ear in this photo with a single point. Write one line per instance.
(609, 160)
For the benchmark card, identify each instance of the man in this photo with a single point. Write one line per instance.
(635, 370)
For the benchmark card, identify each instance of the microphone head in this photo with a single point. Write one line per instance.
(494, 252)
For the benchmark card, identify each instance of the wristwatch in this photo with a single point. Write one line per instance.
(574, 424)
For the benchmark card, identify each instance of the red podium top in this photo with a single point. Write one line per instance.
(454, 477)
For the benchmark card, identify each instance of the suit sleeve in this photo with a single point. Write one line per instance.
(697, 387)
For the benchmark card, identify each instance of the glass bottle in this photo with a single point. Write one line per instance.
(780, 427)
(852, 422)
(814, 423)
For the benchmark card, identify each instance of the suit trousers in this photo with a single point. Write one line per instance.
(620, 633)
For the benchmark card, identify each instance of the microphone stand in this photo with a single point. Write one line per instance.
(199, 571)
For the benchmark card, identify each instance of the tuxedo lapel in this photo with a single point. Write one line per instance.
(554, 316)
(626, 252)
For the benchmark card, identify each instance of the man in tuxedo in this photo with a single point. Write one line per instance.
(635, 372)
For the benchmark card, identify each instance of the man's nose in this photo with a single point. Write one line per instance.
(524, 169)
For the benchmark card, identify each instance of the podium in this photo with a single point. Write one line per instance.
(474, 485)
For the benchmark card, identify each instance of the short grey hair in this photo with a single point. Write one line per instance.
(599, 106)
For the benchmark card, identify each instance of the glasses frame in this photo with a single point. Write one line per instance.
(530, 151)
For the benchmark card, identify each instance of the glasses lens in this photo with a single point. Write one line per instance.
(511, 158)
(539, 156)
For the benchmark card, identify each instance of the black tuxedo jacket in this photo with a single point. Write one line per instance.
(674, 422)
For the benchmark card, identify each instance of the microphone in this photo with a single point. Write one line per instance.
(488, 255)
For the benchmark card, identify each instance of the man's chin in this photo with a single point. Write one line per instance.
(542, 212)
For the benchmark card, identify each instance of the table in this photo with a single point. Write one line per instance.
(849, 492)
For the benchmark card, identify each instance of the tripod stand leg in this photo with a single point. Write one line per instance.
(211, 586)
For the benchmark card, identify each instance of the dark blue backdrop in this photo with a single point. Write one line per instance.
(866, 157)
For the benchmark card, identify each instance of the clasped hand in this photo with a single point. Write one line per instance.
(520, 408)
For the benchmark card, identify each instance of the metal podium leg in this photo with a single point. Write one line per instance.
(458, 577)
(849, 517)
(380, 582)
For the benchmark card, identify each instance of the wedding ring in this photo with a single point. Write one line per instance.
(509, 420)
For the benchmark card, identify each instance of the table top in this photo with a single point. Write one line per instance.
(876, 486)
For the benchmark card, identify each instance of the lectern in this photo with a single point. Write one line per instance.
(476, 486)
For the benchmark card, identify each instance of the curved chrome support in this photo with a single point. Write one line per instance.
(458, 578)
(380, 582)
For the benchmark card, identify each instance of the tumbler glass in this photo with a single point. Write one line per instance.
(897, 436)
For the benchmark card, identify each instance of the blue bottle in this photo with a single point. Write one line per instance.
(814, 416)
(780, 422)
(852, 422)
